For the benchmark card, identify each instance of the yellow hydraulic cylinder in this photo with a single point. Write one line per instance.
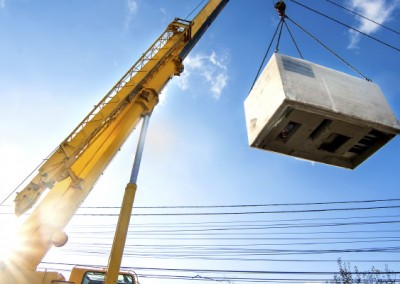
(121, 232)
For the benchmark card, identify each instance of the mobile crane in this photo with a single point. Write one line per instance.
(71, 171)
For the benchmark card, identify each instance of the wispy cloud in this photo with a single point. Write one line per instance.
(132, 6)
(213, 68)
(132, 10)
(2, 3)
(379, 11)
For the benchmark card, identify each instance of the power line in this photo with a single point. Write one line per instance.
(227, 279)
(252, 247)
(232, 222)
(362, 16)
(273, 226)
(347, 26)
(256, 205)
(245, 205)
(249, 259)
(231, 255)
(236, 271)
(231, 275)
(244, 212)
(90, 236)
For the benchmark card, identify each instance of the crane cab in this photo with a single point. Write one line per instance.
(90, 275)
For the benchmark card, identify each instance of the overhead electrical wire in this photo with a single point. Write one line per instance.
(250, 252)
(197, 247)
(214, 252)
(269, 227)
(258, 205)
(362, 16)
(202, 270)
(232, 275)
(251, 222)
(282, 22)
(231, 213)
(346, 25)
(245, 212)
(302, 260)
(228, 275)
(263, 260)
(191, 250)
(174, 242)
(220, 254)
(231, 224)
(237, 241)
(105, 236)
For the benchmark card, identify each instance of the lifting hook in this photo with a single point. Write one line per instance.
(280, 7)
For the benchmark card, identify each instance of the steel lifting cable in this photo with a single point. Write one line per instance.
(282, 22)
(280, 34)
(194, 9)
(265, 56)
(27, 177)
(281, 11)
(283, 16)
(294, 41)
(330, 50)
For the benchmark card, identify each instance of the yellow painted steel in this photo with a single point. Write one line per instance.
(71, 171)
(31, 277)
(78, 273)
(120, 234)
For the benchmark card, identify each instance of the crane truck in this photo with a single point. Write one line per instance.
(68, 175)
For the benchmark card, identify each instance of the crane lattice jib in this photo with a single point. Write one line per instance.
(57, 166)
(99, 116)
(177, 27)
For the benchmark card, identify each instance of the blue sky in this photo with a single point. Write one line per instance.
(59, 58)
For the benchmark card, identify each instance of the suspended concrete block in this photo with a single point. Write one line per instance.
(312, 112)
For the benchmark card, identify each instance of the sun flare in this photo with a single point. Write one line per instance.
(8, 236)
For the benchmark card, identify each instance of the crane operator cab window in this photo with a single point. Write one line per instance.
(96, 277)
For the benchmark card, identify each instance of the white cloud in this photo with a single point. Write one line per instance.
(213, 68)
(2, 3)
(379, 11)
(163, 11)
(132, 10)
(163, 95)
(132, 6)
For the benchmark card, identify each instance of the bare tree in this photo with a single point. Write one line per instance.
(373, 276)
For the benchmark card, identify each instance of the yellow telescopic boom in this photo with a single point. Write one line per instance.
(71, 171)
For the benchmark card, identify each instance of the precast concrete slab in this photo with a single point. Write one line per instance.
(308, 111)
